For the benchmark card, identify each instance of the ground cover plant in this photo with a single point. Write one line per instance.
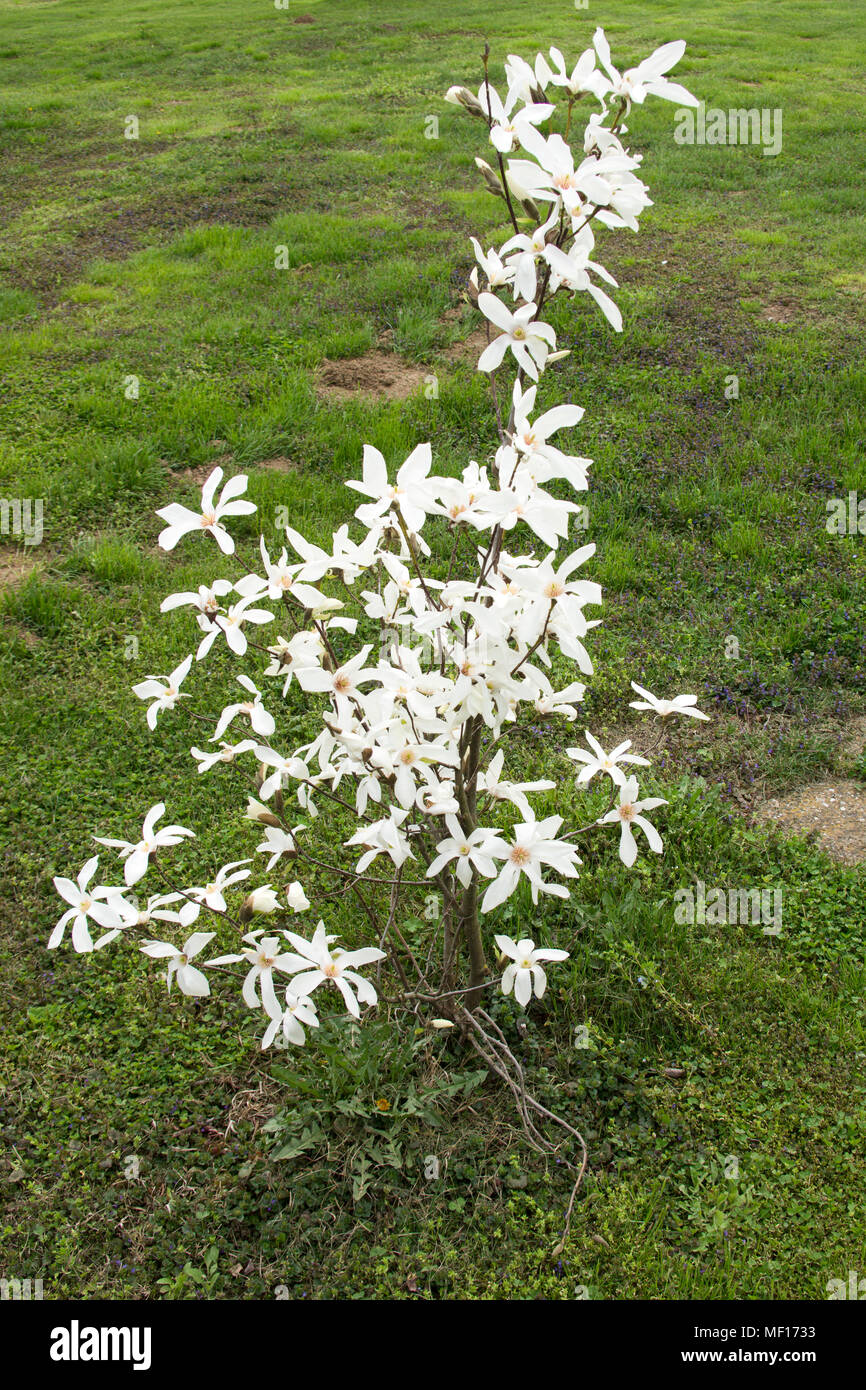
(149, 332)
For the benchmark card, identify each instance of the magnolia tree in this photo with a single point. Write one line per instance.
(419, 636)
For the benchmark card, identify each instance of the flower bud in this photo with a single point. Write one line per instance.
(490, 179)
(297, 898)
(461, 96)
(260, 900)
(257, 812)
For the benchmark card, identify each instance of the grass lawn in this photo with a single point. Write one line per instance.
(139, 1139)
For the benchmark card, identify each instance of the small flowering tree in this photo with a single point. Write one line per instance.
(419, 639)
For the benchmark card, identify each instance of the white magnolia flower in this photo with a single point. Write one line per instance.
(628, 813)
(137, 855)
(346, 558)
(491, 782)
(680, 704)
(231, 625)
(437, 798)
(257, 812)
(585, 76)
(343, 683)
(551, 174)
(599, 761)
(409, 493)
(505, 122)
(498, 274)
(261, 721)
(524, 975)
(264, 957)
(534, 847)
(227, 754)
(647, 79)
(85, 902)
(335, 966)
(284, 767)
(571, 271)
(467, 852)
(299, 1012)
(164, 691)
(529, 340)
(382, 837)
(547, 701)
(189, 978)
(531, 439)
(211, 895)
(276, 843)
(529, 82)
(527, 250)
(206, 600)
(181, 520)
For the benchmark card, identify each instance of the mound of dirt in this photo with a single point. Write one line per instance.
(378, 374)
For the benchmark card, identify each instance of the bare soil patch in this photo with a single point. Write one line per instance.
(832, 813)
(379, 374)
(281, 464)
(779, 313)
(200, 474)
(468, 349)
(15, 565)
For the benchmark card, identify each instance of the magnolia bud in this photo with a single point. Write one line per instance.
(461, 96)
(257, 812)
(531, 210)
(490, 179)
(297, 898)
(260, 900)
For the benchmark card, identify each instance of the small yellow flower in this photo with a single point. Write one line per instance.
(383, 1104)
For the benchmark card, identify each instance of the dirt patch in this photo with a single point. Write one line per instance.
(379, 374)
(278, 465)
(201, 472)
(854, 738)
(15, 565)
(468, 349)
(779, 313)
(832, 813)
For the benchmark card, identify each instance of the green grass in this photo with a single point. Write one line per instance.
(156, 259)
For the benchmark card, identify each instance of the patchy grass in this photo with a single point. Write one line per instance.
(155, 259)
